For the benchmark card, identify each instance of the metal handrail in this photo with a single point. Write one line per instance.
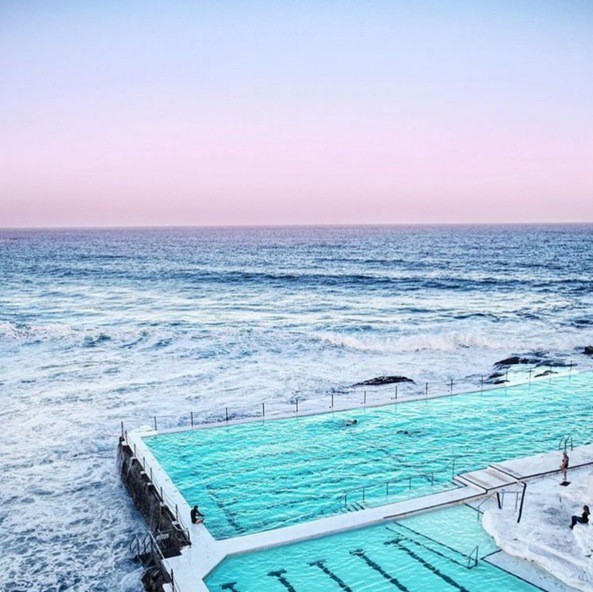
(473, 557)
(159, 560)
(500, 497)
(428, 476)
(564, 441)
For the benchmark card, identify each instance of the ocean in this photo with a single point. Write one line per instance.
(100, 326)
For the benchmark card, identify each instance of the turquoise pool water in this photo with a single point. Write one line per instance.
(261, 475)
(425, 553)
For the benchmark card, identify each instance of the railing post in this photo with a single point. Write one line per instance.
(481, 384)
(155, 426)
(191, 414)
(135, 453)
(426, 390)
(151, 475)
(226, 414)
(263, 409)
(176, 513)
(144, 463)
(172, 581)
(363, 494)
(522, 500)
(162, 496)
(332, 405)
(297, 405)
(122, 430)
(530, 371)
(364, 401)
(451, 386)
(396, 392)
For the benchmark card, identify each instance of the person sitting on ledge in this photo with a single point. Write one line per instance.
(584, 519)
(196, 516)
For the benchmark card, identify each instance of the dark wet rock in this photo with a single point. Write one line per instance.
(381, 380)
(495, 375)
(555, 363)
(499, 382)
(546, 373)
(582, 322)
(515, 360)
(588, 350)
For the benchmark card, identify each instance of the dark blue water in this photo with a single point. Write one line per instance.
(98, 326)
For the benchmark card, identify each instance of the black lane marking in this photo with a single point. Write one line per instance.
(410, 540)
(280, 575)
(391, 579)
(321, 565)
(423, 536)
(229, 514)
(433, 569)
(230, 586)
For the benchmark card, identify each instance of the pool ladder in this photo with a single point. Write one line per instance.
(565, 442)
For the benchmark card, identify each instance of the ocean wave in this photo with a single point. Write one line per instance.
(95, 340)
(448, 342)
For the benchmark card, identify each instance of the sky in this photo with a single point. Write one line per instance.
(242, 112)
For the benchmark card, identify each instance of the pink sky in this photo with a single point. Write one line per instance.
(231, 118)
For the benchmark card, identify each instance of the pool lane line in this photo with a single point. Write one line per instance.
(373, 565)
(321, 565)
(424, 536)
(280, 576)
(449, 580)
(230, 586)
(397, 542)
(228, 514)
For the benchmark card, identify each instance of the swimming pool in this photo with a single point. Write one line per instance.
(432, 552)
(262, 475)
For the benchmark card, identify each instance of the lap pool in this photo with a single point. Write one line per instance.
(258, 476)
(432, 552)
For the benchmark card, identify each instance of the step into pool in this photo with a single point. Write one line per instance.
(436, 552)
(258, 476)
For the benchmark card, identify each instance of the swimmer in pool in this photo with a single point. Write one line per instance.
(351, 422)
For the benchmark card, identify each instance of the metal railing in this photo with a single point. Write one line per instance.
(399, 485)
(352, 398)
(502, 494)
(443, 550)
(565, 442)
(473, 558)
(148, 549)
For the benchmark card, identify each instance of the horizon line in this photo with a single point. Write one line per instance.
(273, 226)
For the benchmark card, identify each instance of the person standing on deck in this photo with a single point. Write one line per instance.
(564, 464)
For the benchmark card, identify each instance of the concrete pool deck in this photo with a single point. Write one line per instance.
(543, 536)
(205, 553)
